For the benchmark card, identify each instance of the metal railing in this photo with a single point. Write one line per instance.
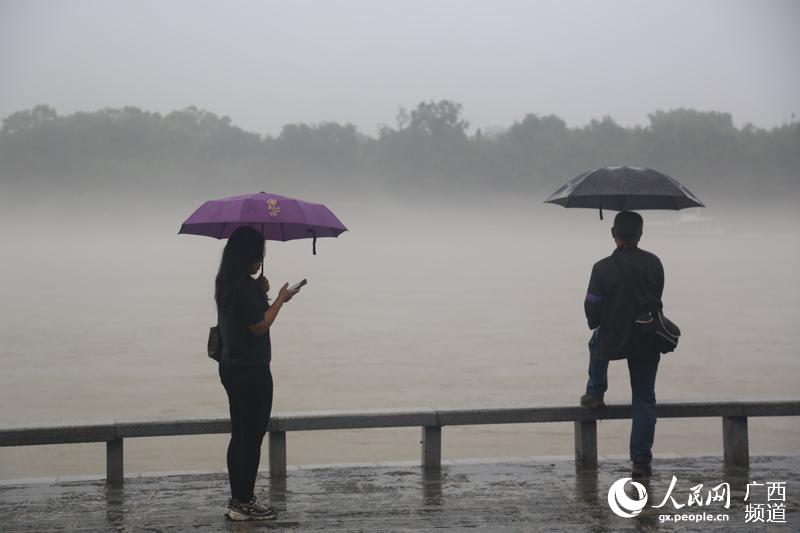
(734, 417)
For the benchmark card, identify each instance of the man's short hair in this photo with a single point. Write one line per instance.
(628, 226)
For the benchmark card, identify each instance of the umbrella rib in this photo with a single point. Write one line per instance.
(303, 210)
(241, 209)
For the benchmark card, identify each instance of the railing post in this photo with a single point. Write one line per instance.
(431, 448)
(586, 444)
(277, 454)
(114, 468)
(735, 445)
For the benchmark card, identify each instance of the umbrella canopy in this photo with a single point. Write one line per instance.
(624, 189)
(278, 218)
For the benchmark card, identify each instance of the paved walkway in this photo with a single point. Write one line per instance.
(534, 494)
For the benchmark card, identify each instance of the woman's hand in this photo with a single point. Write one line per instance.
(285, 294)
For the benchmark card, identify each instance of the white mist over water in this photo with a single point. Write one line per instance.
(470, 305)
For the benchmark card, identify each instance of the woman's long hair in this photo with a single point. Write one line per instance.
(245, 247)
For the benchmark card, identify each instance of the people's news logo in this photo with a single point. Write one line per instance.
(627, 499)
(621, 503)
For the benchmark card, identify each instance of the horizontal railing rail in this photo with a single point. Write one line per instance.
(734, 425)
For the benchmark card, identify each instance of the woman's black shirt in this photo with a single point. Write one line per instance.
(244, 306)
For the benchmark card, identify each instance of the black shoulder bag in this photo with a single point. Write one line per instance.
(215, 344)
(662, 332)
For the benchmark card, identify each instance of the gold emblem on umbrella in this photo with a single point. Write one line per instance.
(272, 207)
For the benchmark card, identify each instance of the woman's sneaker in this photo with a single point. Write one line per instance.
(252, 510)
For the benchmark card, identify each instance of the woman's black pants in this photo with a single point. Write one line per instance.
(250, 398)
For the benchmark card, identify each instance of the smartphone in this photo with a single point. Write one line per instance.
(298, 285)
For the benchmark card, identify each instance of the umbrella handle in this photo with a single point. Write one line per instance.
(265, 247)
(601, 211)
(266, 294)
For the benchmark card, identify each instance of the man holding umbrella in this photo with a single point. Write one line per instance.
(611, 306)
(625, 290)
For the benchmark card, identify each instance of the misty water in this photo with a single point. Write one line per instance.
(473, 304)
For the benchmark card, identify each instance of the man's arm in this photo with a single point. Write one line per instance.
(593, 304)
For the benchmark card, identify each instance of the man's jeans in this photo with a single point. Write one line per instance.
(642, 368)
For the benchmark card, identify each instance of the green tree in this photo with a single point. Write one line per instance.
(23, 121)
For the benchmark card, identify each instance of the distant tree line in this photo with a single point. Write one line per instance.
(430, 149)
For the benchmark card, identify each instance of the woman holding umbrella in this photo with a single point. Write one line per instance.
(245, 318)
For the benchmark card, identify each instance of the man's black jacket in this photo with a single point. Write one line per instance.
(613, 308)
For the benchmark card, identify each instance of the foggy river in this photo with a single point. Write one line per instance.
(471, 305)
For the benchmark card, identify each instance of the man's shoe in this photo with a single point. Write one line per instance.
(641, 470)
(593, 402)
(252, 510)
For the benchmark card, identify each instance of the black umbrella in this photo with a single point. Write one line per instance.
(624, 189)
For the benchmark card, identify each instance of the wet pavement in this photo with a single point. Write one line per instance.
(528, 494)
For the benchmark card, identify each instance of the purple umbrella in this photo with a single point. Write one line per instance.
(278, 218)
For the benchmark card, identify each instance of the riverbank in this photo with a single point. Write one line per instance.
(523, 494)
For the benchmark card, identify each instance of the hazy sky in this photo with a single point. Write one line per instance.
(266, 64)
